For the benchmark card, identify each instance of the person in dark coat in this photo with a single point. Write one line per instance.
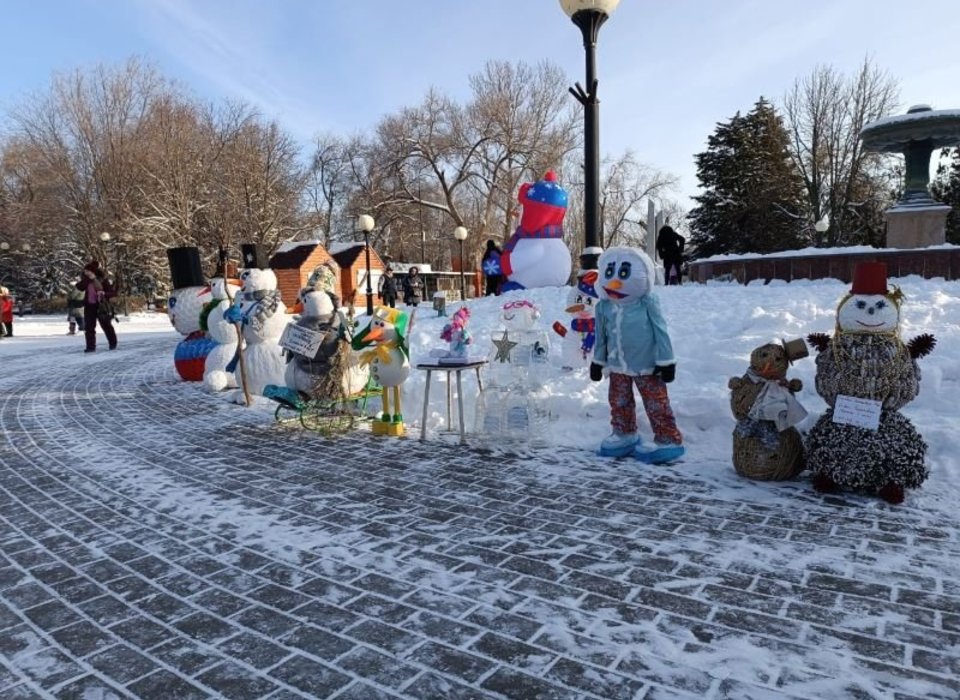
(97, 293)
(413, 287)
(388, 288)
(670, 249)
(492, 275)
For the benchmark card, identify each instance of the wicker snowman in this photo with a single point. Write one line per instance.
(766, 445)
(866, 360)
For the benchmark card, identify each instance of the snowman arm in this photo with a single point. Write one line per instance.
(921, 346)
(559, 329)
(821, 341)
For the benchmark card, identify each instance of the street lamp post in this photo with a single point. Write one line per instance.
(121, 249)
(821, 227)
(460, 233)
(589, 15)
(366, 223)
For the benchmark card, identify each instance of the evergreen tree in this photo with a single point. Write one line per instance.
(752, 195)
(946, 188)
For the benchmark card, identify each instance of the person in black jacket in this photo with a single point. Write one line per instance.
(388, 288)
(413, 287)
(670, 249)
(490, 265)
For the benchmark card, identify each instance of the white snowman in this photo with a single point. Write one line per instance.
(576, 346)
(536, 255)
(263, 316)
(218, 372)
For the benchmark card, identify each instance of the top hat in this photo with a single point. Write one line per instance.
(870, 278)
(185, 267)
(796, 349)
(253, 256)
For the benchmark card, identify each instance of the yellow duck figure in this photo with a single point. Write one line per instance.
(384, 339)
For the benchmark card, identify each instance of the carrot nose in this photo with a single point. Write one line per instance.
(615, 284)
(576, 308)
(296, 308)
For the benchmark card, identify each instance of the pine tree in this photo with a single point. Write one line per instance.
(946, 188)
(752, 195)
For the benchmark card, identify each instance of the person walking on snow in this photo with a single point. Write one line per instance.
(6, 312)
(97, 292)
(413, 287)
(74, 310)
(388, 288)
(670, 249)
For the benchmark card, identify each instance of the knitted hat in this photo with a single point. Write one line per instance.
(870, 278)
(544, 203)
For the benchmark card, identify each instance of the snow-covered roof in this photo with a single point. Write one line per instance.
(290, 245)
(340, 246)
(815, 252)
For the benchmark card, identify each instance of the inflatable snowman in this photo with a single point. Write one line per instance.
(190, 295)
(218, 367)
(262, 316)
(536, 255)
(576, 346)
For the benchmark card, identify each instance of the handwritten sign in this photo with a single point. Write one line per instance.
(863, 413)
(300, 340)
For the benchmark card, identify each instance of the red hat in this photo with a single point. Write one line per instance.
(870, 278)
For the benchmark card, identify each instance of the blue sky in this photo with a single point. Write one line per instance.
(668, 70)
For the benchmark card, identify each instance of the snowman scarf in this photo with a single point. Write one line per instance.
(587, 326)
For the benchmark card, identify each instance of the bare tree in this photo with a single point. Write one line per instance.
(825, 113)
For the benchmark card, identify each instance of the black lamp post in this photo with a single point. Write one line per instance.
(120, 247)
(366, 223)
(460, 233)
(589, 15)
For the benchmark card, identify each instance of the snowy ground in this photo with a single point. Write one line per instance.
(156, 541)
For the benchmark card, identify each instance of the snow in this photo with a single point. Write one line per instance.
(911, 117)
(714, 327)
(818, 252)
(291, 245)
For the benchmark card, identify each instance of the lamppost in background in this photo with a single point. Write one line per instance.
(460, 233)
(120, 248)
(821, 227)
(589, 15)
(25, 252)
(366, 223)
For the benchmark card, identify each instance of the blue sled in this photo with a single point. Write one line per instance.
(662, 454)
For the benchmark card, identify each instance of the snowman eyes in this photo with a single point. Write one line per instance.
(861, 304)
(624, 270)
(608, 273)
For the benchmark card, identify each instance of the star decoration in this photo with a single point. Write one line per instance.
(504, 346)
(491, 266)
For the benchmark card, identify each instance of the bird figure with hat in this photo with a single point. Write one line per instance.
(383, 341)
(866, 366)
(536, 255)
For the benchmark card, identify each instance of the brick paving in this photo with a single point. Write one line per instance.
(156, 542)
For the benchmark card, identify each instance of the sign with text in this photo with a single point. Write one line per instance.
(863, 413)
(300, 340)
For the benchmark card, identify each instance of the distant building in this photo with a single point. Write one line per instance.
(295, 261)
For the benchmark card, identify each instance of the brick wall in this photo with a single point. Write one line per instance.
(927, 263)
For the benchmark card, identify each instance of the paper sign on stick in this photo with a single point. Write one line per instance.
(863, 413)
(300, 340)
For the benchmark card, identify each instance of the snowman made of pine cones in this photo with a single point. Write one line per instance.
(766, 446)
(867, 360)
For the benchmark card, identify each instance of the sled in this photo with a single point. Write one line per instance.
(327, 416)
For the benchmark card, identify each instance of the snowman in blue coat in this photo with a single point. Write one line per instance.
(633, 348)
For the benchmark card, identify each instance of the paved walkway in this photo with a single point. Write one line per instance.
(156, 542)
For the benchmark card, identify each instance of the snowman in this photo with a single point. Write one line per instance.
(867, 365)
(633, 348)
(218, 372)
(535, 255)
(262, 316)
(576, 346)
(308, 375)
(184, 306)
